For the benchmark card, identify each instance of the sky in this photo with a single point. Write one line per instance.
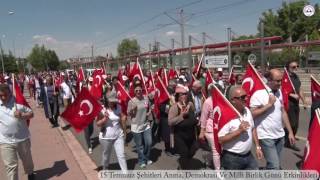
(71, 27)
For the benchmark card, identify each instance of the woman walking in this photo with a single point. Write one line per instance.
(182, 118)
(112, 133)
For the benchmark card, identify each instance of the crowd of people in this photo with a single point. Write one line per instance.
(185, 122)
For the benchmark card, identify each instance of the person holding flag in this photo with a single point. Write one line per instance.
(112, 132)
(269, 117)
(14, 134)
(139, 113)
(236, 136)
(49, 97)
(293, 103)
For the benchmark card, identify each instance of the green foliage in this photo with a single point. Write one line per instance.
(128, 47)
(290, 22)
(42, 59)
(9, 61)
(64, 65)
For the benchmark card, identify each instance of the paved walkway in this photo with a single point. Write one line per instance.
(52, 156)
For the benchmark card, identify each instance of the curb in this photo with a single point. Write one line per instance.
(85, 163)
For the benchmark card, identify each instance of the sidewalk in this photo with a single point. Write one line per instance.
(52, 156)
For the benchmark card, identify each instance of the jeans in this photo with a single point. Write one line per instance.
(119, 149)
(271, 149)
(10, 152)
(233, 161)
(88, 131)
(143, 143)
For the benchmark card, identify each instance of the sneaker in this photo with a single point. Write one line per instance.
(142, 165)
(90, 150)
(149, 162)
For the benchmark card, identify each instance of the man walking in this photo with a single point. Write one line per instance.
(14, 135)
(269, 117)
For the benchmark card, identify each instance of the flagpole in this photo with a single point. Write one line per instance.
(124, 90)
(231, 72)
(143, 81)
(228, 101)
(14, 90)
(200, 63)
(254, 69)
(165, 89)
(294, 89)
(154, 87)
(315, 80)
(213, 81)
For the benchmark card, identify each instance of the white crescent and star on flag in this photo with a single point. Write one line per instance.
(248, 79)
(89, 104)
(217, 110)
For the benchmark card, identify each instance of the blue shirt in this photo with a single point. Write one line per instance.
(12, 130)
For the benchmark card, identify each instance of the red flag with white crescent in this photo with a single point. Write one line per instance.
(223, 112)
(312, 149)
(82, 111)
(252, 82)
(286, 88)
(315, 89)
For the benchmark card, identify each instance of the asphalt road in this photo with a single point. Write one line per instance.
(290, 159)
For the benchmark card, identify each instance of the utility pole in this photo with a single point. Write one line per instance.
(2, 58)
(190, 51)
(229, 48)
(92, 57)
(182, 28)
(262, 45)
(204, 42)
(172, 64)
(181, 23)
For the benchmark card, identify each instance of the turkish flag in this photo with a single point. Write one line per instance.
(80, 76)
(252, 82)
(150, 84)
(196, 69)
(315, 89)
(232, 78)
(286, 88)
(123, 97)
(20, 98)
(137, 72)
(223, 112)
(162, 73)
(161, 96)
(96, 88)
(312, 149)
(120, 74)
(209, 78)
(82, 111)
(172, 74)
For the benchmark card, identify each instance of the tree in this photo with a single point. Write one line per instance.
(64, 65)
(42, 59)
(290, 23)
(52, 60)
(128, 47)
(10, 65)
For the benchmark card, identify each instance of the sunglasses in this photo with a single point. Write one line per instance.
(183, 94)
(138, 90)
(243, 97)
(294, 67)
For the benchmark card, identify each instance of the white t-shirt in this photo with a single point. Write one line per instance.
(66, 91)
(242, 144)
(12, 130)
(113, 129)
(269, 125)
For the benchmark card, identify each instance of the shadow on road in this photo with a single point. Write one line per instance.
(58, 168)
(299, 163)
